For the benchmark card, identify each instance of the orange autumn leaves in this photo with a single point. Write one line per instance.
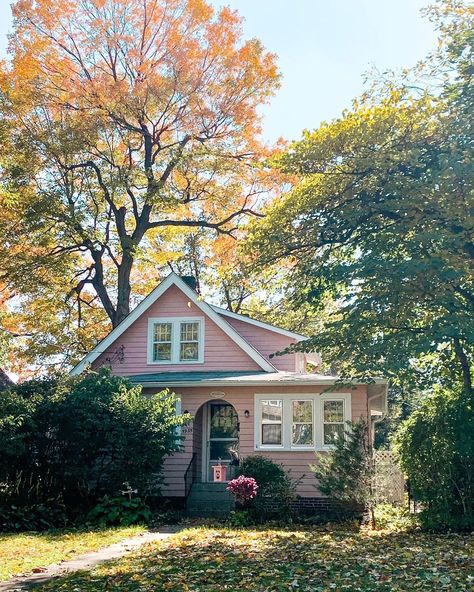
(176, 60)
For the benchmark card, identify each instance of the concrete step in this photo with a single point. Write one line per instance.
(209, 499)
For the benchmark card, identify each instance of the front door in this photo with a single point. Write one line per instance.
(222, 436)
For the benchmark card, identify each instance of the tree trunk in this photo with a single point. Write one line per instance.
(124, 289)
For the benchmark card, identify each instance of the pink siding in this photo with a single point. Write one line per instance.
(220, 352)
(267, 342)
(242, 398)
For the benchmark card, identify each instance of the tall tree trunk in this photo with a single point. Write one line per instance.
(124, 288)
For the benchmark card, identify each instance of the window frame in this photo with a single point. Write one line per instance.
(287, 419)
(281, 423)
(347, 415)
(175, 340)
(313, 423)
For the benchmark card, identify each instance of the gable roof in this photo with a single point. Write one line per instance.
(262, 325)
(173, 279)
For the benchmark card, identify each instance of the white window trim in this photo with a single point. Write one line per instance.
(287, 419)
(175, 340)
(259, 428)
(292, 423)
(346, 398)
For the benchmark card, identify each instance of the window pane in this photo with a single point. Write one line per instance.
(161, 351)
(189, 351)
(303, 411)
(189, 331)
(220, 450)
(162, 332)
(224, 421)
(333, 432)
(333, 411)
(271, 434)
(302, 434)
(271, 411)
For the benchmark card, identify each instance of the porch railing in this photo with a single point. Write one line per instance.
(190, 474)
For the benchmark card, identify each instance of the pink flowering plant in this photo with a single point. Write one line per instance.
(243, 488)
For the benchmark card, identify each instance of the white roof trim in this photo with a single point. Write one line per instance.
(245, 319)
(173, 279)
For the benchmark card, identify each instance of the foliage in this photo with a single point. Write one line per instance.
(346, 473)
(39, 517)
(120, 511)
(243, 488)
(240, 519)
(436, 448)
(74, 440)
(394, 517)
(276, 488)
(127, 129)
(20, 553)
(278, 560)
(379, 222)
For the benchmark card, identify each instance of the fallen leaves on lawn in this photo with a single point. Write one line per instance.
(217, 560)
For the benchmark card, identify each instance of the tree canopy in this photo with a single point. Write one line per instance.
(379, 220)
(127, 126)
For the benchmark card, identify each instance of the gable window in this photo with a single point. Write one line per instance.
(176, 341)
(272, 414)
(189, 342)
(333, 421)
(162, 342)
(302, 423)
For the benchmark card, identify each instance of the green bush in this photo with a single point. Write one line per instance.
(120, 511)
(436, 449)
(394, 517)
(345, 474)
(44, 516)
(75, 440)
(276, 489)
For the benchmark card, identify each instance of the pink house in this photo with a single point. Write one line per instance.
(244, 400)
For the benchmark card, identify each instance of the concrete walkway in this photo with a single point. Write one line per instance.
(87, 560)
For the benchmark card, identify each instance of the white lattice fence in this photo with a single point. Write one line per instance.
(389, 484)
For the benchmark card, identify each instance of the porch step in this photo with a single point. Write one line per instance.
(208, 500)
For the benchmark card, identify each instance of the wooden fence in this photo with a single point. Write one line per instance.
(389, 483)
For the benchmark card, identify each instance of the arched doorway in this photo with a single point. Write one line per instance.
(219, 432)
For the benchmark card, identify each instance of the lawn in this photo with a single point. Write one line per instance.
(20, 553)
(218, 559)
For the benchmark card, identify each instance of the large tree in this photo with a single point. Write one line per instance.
(381, 220)
(125, 124)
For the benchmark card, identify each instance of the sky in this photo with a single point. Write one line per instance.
(324, 48)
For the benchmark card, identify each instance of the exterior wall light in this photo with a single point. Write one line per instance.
(247, 413)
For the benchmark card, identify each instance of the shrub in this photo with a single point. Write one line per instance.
(436, 449)
(243, 488)
(276, 488)
(75, 440)
(44, 516)
(394, 517)
(345, 474)
(240, 519)
(120, 511)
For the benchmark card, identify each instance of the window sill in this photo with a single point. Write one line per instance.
(171, 363)
(292, 449)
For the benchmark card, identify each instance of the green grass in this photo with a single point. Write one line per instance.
(20, 553)
(310, 559)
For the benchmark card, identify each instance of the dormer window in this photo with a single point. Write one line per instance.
(176, 340)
